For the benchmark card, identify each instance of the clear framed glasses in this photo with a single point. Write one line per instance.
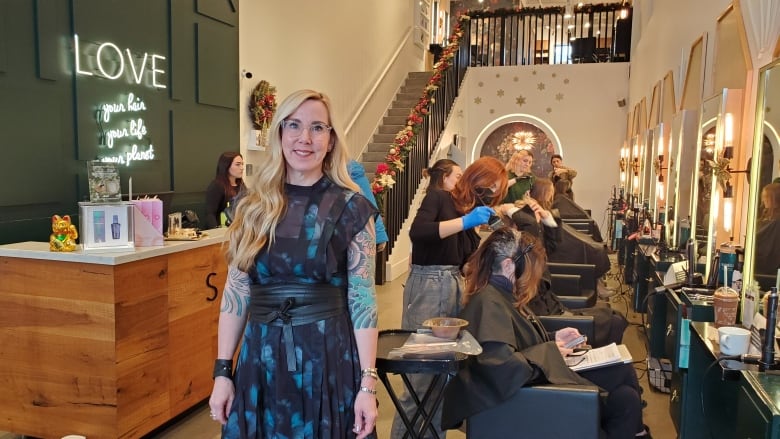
(295, 128)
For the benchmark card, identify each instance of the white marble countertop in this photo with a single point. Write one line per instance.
(40, 250)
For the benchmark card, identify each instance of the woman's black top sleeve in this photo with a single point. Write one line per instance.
(215, 203)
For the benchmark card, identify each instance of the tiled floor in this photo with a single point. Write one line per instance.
(198, 425)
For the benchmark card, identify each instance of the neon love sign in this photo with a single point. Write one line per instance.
(109, 55)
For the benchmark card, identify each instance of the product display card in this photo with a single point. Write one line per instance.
(103, 181)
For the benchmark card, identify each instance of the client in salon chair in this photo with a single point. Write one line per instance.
(557, 239)
(501, 278)
(568, 209)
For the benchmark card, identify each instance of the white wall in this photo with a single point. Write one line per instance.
(664, 31)
(577, 101)
(357, 52)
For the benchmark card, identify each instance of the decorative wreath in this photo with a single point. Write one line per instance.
(262, 104)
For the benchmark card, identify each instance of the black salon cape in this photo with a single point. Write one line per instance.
(767, 258)
(575, 247)
(546, 303)
(568, 209)
(514, 355)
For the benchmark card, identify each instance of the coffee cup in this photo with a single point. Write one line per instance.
(733, 340)
(725, 303)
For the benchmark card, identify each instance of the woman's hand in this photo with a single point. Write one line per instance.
(505, 209)
(539, 212)
(565, 335)
(222, 395)
(366, 414)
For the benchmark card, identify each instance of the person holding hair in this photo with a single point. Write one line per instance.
(300, 290)
(226, 185)
(520, 176)
(564, 244)
(443, 236)
(501, 278)
(560, 172)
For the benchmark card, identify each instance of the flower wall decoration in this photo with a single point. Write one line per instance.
(405, 140)
(262, 105)
(722, 170)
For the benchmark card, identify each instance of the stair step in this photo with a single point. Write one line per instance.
(383, 147)
(405, 103)
(412, 96)
(374, 156)
(398, 112)
(389, 129)
(383, 138)
(395, 120)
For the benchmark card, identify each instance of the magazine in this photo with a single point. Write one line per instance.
(599, 357)
(103, 179)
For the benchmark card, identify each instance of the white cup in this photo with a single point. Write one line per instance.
(733, 340)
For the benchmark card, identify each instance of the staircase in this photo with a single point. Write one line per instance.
(394, 121)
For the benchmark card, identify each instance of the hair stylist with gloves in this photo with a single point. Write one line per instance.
(443, 237)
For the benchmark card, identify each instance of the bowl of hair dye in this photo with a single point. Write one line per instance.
(445, 327)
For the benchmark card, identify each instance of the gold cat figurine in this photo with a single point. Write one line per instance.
(64, 237)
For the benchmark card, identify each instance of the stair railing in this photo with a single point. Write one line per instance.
(398, 199)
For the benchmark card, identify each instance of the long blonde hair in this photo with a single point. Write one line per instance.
(265, 204)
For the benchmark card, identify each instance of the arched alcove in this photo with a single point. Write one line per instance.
(507, 134)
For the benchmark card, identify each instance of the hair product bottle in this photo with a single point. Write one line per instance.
(115, 228)
(99, 220)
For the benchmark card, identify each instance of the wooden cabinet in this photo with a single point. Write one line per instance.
(192, 323)
(106, 351)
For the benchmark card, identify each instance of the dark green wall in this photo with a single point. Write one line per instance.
(48, 126)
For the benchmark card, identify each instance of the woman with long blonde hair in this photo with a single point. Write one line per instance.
(300, 289)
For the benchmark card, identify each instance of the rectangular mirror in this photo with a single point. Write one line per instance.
(762, 252)
(681, 198)
(646, 150)
(660, 172)
(714, 214)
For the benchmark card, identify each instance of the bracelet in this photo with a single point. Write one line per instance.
(369, 372)
(223, 368)
(368, 390)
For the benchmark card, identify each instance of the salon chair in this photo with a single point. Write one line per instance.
(568, 288)
(529, 413)
(587, 282)
(546, 411)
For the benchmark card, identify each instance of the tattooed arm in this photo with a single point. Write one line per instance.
(233, 312)
(361, 300)
(232, 319)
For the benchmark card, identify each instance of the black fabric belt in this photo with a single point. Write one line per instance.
(289, 305)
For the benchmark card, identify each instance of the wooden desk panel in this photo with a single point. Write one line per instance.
(106, 351)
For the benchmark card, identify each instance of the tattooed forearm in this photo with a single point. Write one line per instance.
(362, 296)
(235, 297)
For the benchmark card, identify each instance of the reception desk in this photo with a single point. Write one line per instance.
(106, 345)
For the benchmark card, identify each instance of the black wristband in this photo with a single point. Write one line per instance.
(223, 368)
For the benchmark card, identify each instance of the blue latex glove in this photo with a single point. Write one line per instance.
(480, 215)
